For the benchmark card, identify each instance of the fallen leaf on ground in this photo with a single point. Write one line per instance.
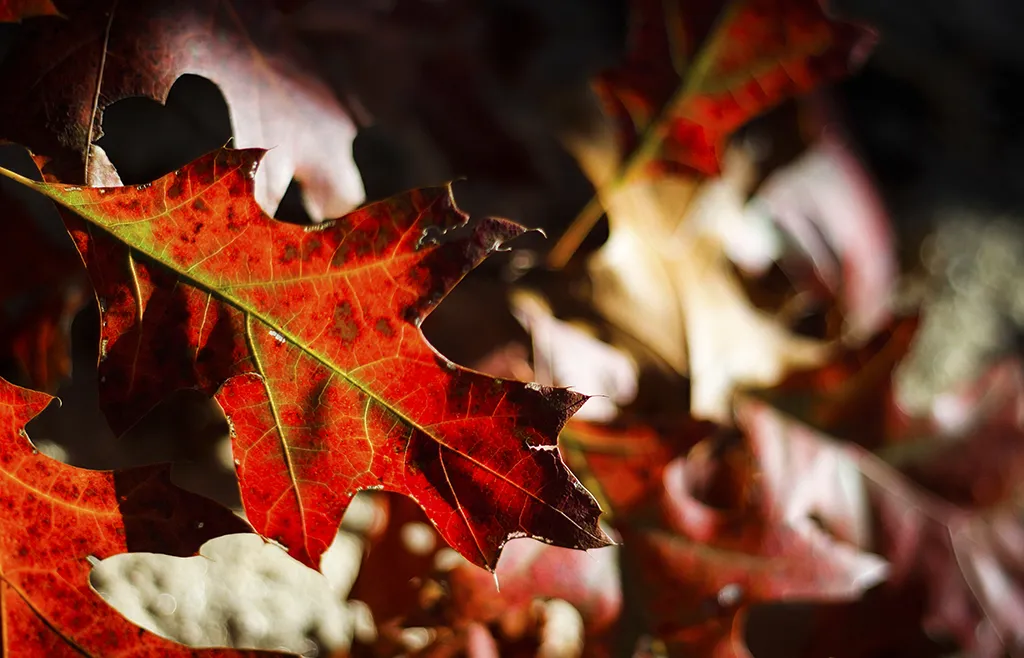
(311, 338)
(56, 518)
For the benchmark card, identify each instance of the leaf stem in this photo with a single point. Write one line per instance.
(650, 142)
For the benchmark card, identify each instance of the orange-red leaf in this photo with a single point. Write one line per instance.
(697, 71)
(328, 382)
(54, 518)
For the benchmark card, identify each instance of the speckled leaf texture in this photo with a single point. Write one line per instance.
(54, 517)
(61, 73)
(697, 71)
(330, 386)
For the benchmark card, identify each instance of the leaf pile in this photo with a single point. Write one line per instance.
(731, 346)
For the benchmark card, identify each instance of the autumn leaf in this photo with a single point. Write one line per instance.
(664, 278)
(851, 396)
(713, 527)
(56, 518)
(69, 71)
(566, 355)
(13, 11)
(826, 202)
(624, 464)
(695, 72)
(311, 335)
(947, 520)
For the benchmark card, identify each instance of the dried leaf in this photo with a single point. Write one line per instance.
(664, 278)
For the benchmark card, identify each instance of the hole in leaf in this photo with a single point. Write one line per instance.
(474, 320)
(145, 140)
(291, 209)
(384, 163)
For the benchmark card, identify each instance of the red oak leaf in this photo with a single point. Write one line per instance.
(12, 11)
(54, 518)
(330, 385)
(695, 72)
(61, 75)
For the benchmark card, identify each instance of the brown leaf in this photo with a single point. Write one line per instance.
(665, 279)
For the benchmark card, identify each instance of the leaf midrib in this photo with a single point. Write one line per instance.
(46, 189)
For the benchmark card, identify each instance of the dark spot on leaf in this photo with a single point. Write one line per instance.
(199, 205)
(231, 216)
(310, 248)
(384, 328)
(344, 322)
(175, 190)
